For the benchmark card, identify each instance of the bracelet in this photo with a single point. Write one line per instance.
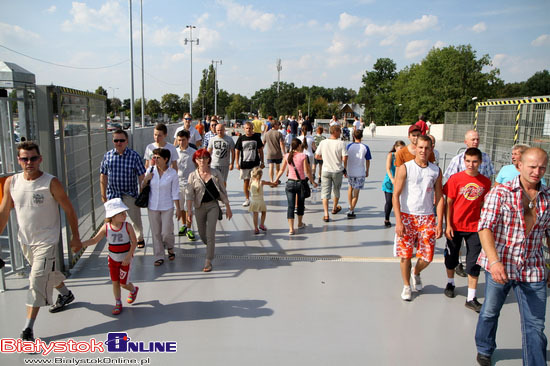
(490, 265)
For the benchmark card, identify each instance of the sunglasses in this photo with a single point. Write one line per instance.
(187, 119)
(32, 159)
(116, 141)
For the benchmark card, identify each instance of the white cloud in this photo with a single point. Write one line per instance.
(203, 19)
(176, 57)
(337, 46)
(479, 27)
(417, 48)
(347, 20)
(400, 28)
(440, 44)
(51, 9)
(303, 63)
(542, 40)
(15, 34)
(109, 16)
(312, 23)
(247, 16)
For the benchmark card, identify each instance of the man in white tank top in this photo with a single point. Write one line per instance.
(36, 197)
(416, 183)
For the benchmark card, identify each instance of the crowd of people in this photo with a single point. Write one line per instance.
(503, 225)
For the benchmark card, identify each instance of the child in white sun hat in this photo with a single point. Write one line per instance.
(122, 242)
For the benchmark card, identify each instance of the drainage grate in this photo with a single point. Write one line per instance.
(304, 258)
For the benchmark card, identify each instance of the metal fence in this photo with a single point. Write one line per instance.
(503, 123)
(72, 134)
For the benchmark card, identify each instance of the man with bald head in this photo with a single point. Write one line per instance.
(471, 139)
(514, 224)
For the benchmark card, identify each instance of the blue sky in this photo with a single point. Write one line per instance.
(326, 43)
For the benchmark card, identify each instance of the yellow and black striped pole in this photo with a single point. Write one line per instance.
(475, 119)
(516, 131)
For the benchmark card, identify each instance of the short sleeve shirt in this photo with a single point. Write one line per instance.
(468, 193)
(152, 146)
(122, 171)
(358, 154)
(221, 150)
(332, 152)
(273, 140)
(249, 147)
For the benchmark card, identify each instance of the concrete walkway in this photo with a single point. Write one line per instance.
(330, 295)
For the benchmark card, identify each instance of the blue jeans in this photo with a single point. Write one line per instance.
(531, 298)
(293, 189)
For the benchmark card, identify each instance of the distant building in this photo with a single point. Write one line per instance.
(348, 112)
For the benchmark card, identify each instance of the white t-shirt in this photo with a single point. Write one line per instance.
(310, 142)
(332, 152)
(194, 135)
(185, 164)
(152, 146)
(357, 155)
(357, 125)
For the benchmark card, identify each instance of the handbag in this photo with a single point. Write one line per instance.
(220, 213)
(142, 199)
(304, 185)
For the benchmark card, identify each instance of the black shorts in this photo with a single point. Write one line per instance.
(473, 248)
(274, 161)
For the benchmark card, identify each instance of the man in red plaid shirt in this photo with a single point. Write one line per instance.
(515, 221)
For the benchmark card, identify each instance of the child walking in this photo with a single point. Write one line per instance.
(122, 244)
(257, 203)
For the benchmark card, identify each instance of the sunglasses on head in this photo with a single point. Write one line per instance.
(116, 141)
(32, 159)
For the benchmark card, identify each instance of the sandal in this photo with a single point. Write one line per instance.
(171, 255)
(302, 226)
(291, 232)
(207, 268)
(132, 296)
(159, 262)
(141, 244)
(262, 227)
(326, 218)
(337, 209)
(256, 231)
(117, 309)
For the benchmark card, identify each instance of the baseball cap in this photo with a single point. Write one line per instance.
(114, 206)
(414, 128)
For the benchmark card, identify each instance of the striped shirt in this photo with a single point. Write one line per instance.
(118, 240)
(502, 213)
(457, 165)
(122, 171)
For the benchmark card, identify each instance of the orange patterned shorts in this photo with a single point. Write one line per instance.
(419, 233)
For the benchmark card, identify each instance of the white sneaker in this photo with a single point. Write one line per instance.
(406, 294)
(246, 203)
(416, 282)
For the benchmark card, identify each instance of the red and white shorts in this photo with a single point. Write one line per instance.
(419, 233)
(118, 272)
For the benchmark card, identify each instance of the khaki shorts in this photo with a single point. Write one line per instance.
(245, 173)
(183, 201)
(44, 274)
(331, 182)
(224, 169)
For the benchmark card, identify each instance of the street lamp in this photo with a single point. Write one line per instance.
(468, 102)
(203, 105)
(191, 41)
(216, 85)
(395, 111)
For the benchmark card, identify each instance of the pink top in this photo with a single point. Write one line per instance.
(298, 160)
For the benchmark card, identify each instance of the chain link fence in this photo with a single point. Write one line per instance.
(502, 124)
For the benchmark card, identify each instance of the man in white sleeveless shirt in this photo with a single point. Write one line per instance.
(36, 197)
(416, 182)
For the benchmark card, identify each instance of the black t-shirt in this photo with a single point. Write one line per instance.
(214, 193)
(249, 147)
(293, 127)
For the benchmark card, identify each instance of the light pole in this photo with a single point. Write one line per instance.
(191, 41)
(216, 85)
(395, 111)
(279, 68)
(468, 102)
(142, 70)
(203, 105)
(132, 124)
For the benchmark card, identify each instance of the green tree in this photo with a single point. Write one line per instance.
(537, 85)
(376, 91)
(103, 92)
(237, 106)
(446, 80)
(116, 105)
(172, 105)
(153, 108)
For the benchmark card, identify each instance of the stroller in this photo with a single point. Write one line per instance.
(345, 133)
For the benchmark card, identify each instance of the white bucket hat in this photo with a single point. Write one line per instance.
(114, 206)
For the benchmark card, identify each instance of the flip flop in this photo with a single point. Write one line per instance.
(171, 255)
(207, 268)
(159, 262)
(337, 209)
(326, 218)
(141, 244)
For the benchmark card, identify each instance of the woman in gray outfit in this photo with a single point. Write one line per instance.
(205, 187)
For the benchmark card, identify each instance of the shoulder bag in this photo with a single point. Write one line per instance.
(142, 199)
(306, 191)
